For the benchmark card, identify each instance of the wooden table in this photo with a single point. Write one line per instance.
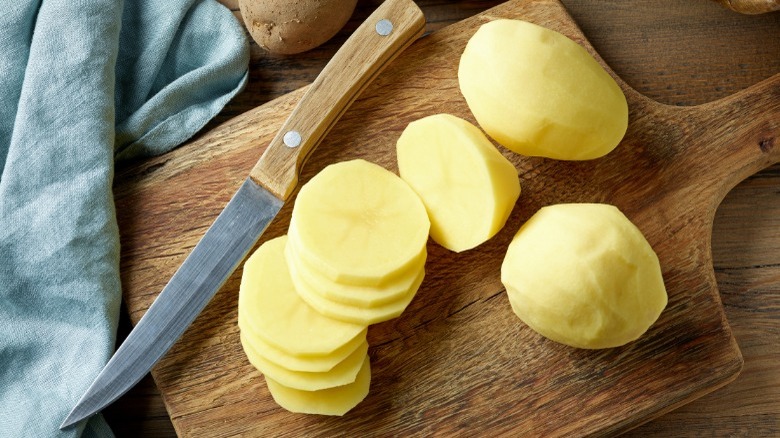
(676, 52)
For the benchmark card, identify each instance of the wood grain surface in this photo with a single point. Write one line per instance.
(746, 259)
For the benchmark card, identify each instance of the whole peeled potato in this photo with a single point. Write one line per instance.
(538, 93)
(289, 27)
(584, 275)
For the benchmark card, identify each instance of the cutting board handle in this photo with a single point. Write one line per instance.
(386, 33)
(747, 122)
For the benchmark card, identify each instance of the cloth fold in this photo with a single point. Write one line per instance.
(82, 84)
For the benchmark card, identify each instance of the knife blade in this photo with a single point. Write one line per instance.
(373, 45)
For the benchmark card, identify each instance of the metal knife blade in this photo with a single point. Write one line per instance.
(215, 257)
(390, 29)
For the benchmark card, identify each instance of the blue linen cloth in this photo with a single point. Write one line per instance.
(82, 84)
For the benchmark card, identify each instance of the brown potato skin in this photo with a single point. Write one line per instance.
(751, 7)
(287, 27)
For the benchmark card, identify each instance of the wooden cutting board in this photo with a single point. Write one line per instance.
(458, 361)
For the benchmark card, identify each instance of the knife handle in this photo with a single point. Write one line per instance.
(386, 33)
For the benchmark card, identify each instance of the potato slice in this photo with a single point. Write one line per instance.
(342, 374)
(539, 93)
(584, 275)
(359, 223)
(467, 186)
(276, 313)
(352, 295)
(355, 314)
(331, 401)
(307, 363)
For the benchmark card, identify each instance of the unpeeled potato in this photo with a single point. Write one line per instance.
(289, 27)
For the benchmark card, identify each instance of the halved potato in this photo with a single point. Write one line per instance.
(273, 309)
(307, 363)
(331, 401)
(342, 374)
(358, 223)
(467, 186)
(349, 294)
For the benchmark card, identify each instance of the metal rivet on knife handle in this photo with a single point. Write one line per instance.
(292, 139)
(384, 27)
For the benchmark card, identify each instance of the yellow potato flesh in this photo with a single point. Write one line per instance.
(539, 93)
(467, 186)
(307, 363)
(359, 223)
(342, 374)
(584, 275)
(361, 296)
(355, 314)
(331, 401)
(276, 313)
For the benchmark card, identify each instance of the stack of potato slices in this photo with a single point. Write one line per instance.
(357, 243)
(354, 255)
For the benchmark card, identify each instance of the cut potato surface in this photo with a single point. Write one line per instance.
(331, 401)
(364, 296)
(355, 314)
(539, 93)
(467, 186)
(342, 374)
(584, 275)
(307, 363)
(358, 223)
(268, 300)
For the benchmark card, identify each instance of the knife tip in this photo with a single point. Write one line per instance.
(68, 422)
(73, 418)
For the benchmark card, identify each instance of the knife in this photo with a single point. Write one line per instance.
(386, 33)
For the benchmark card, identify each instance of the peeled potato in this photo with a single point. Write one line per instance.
(331, 401)
(343, 373)
(356, 314)
(273, 309)
(307, 363)
(467, 186)
(365, 296)
(539, 93)
(358, 223)
(292, 27)
(584, 275)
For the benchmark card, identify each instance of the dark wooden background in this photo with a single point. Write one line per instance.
(679, 52)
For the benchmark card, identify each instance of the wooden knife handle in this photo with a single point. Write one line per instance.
(385, 34)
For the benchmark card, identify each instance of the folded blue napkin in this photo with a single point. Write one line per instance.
(82, 84)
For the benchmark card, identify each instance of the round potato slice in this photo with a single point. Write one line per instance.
(306, 363)
(361, 296)
(273, 309)
(331, 401)
(342, 374)
(358, 223)
(584, 275)
(467, 186)
(355, 314)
